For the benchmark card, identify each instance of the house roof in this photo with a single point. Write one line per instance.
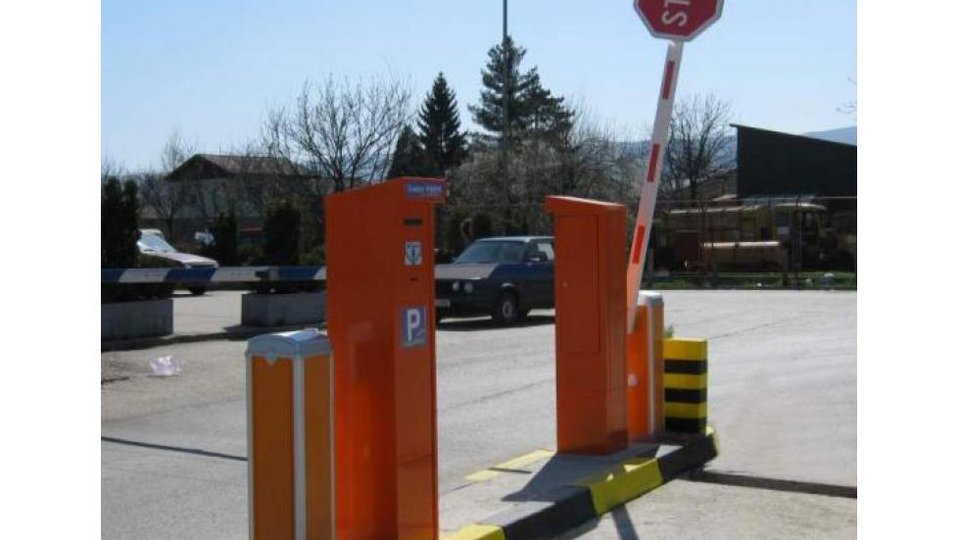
(210, 166)
(788, 135)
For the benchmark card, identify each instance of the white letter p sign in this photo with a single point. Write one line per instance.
(413, 326)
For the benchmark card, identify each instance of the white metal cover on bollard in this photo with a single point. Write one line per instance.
(653, 302)
(650, 297)
(295, 344)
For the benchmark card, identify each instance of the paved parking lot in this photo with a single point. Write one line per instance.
(782, 396)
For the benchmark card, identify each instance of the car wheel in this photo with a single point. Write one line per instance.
(505, 310)
(197, 291)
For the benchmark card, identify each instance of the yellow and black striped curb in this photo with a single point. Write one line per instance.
(685, 385)
(571, 505)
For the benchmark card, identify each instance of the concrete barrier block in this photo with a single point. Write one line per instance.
(282, 309)
(143, 318)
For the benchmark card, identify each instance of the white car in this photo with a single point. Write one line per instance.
(153, 244)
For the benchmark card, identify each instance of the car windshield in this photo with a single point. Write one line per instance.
(493, 251)
(152, 242)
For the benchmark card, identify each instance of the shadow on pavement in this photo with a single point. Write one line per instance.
(624, 525)
(564, 469)
(775, 484)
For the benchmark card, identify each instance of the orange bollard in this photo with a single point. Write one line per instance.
(645, 412)
(290, 436)
(590, 285)
(380, 312)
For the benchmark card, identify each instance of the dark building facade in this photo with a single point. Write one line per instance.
(780, 168)
(772, 163)
(795, 209)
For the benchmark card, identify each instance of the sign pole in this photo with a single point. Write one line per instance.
(650, 182)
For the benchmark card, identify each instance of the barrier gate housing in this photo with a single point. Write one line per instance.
(380, 297)
(590, 285)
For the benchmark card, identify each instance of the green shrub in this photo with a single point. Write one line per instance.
(224, 249)
(249, 255)
(482, 226)
(119, 229)
(281, 235)
(314, 257)
(119, 232)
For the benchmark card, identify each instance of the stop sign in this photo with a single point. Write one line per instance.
(681, 20)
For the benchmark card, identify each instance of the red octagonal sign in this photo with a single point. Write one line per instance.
(681, 20)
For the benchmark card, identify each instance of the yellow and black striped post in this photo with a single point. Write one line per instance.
(685, 385)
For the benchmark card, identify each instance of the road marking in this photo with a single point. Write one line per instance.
(478, 532)
(513, 465)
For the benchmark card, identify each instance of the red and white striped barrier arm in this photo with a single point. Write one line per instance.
(651, 180)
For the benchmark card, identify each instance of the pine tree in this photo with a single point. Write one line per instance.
(546, 114)
(532, 108)
(439, 124)
(409, 158)
(489, 113)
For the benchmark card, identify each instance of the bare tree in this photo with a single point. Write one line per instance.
(849, 107)
(343, 132)
(109, 168)
(175, 152)
(165, 199)
(700, 145)
(600, 165)
(589, 162)
(260, 181)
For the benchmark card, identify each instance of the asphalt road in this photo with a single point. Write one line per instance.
(782, 396)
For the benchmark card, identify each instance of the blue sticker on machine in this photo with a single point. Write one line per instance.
(424, 189)
(413, 322)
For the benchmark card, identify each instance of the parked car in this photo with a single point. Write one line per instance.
(153, 245)
(504, 277)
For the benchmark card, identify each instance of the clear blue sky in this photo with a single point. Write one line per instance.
(211, 69)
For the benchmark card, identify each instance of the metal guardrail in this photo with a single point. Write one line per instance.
(227, 274)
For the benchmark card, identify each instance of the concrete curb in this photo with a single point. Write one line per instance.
(591, 497)
(176, 339)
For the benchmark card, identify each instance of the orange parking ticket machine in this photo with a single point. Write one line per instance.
(590, 285)
(380, 318)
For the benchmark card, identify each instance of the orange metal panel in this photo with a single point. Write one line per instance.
(638, 393)
(645, 418)
(272, 418)
(380, 305)
(413, 522)
(589, 287)
(583, 429)
(579, 283)
(317, 405)
(659, 416)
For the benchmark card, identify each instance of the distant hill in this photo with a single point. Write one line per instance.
(642, 149)
(847, 135)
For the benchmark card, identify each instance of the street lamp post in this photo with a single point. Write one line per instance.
(505, 131)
